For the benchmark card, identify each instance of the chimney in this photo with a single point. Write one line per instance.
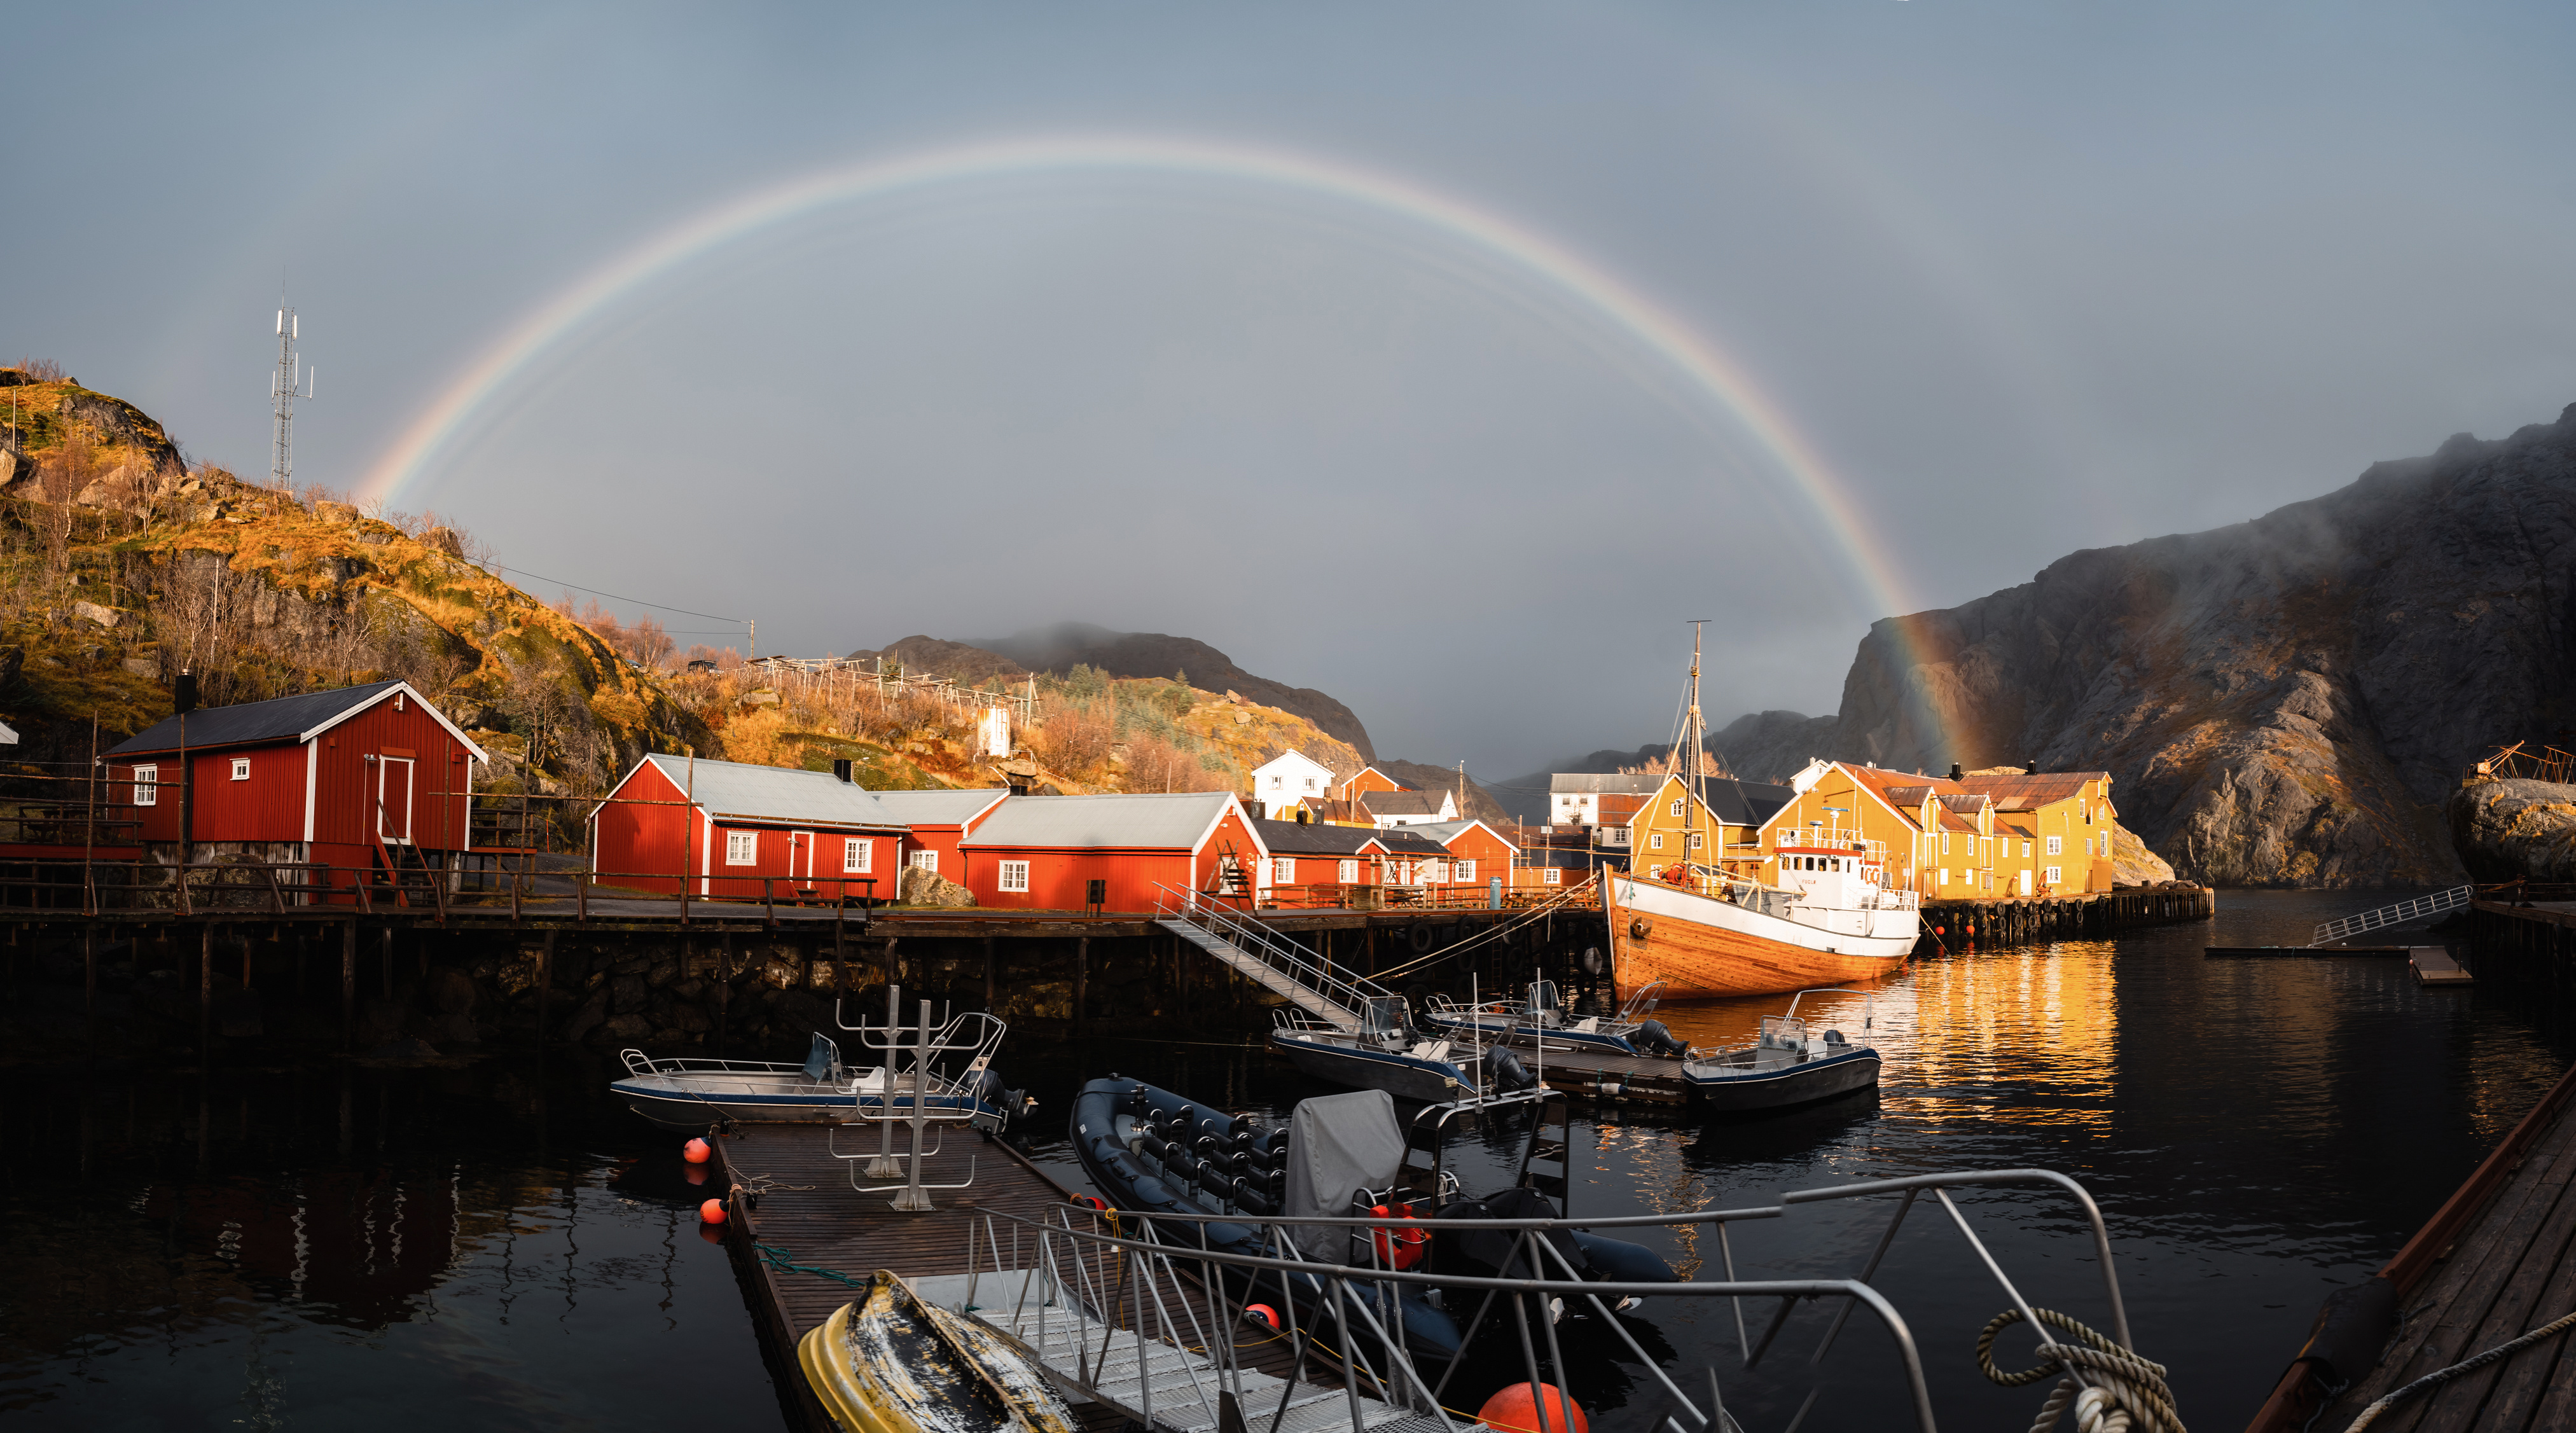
(841, 769)
(183, 694)
(1955, 772)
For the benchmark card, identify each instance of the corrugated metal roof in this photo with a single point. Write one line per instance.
(1403, 841)
(1409, 803)
(1747, 803)
(2039, 788)
(776, 794)
(277, 719)
(1445, 832)
(1632, 783)
(1151, 821)
(939, 808)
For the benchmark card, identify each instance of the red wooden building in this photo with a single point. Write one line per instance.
(726, 828)
(936, 821)
(1477, 852)
(338, 777)
(1041, 852)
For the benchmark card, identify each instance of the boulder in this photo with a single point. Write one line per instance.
(921, 887)
(103, 616)
(336, 514)
(2515, 830)
(444, 539)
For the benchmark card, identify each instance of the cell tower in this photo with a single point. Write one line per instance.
(283, 390)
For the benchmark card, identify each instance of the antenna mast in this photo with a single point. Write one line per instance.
(291, 381)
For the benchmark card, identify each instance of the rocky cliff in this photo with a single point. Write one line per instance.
(2288, 701)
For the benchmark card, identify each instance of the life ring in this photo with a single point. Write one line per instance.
(1421, 939)
(1639, 928)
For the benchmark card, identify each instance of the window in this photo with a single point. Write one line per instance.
(1438, 873)
(1283, 871)
(1945, 843)
(1348, 872)
(742, 848)
(855, 854)
(2088, 845)
(2056, 847)
(2025, 849)
(1279, 781)
(927, 860)
(1015, 875)
(1695, 840)
(1655, 842)
(1945, 875)
(241, 768)
(147, 786)
(1677, 808)
(1551, 877)
(2053, 878)
(1310, 783)
(1466, 870)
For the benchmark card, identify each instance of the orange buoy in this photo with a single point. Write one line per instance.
(696, 1151)
(1516, 1407)
(711, 1212)
(1263, 1315)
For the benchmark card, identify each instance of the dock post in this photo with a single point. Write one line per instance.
(545, 981)
(724, 993)
(205, 989)
(388, 964)
(1081, 977)
(913, 1199)
(989, 974)
(349, 985)
(89, 964)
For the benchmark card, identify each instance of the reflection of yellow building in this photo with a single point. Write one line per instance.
(2011, 1019)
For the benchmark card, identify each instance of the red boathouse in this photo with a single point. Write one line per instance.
(1043, 852)
(726, 828)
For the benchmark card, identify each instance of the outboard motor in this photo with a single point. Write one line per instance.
(1013, 1104)
(1508, 1075)
(1654, 1039)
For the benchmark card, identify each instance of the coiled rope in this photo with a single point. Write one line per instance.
(2126, 1393)
(2466, 1365)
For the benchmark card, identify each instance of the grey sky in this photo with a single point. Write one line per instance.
(2030, 278)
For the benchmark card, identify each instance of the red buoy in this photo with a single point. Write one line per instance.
(711, 1212)
(1937, 930)
(1517, 1407)
(696, 1151)
(1263, 1315)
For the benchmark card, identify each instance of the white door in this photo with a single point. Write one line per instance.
(800, 856)
(393, 798)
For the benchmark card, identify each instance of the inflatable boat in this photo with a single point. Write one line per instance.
(1150, 1151)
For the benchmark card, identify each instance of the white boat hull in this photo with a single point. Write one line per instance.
(1707, 946)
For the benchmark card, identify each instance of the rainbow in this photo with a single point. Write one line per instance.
(1719, 386)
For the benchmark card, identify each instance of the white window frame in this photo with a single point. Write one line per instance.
(1466, 870)
(1283, 870)
(1677, 808)
(2055, 876)
(857, 854)
(1655, 842)
(1945, 876)
(926, 860)
(241, 768)
(2057, 845)
(1013, 877)
(1349, 872)
(1551, 876)
(1697, 839)
(147, 786)
(742, 848)
(2025, 850)
(1945, 843)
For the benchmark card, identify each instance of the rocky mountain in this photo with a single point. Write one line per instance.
(1061, 648)
(2288, 701)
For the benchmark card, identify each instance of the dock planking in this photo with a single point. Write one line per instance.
(2493, 1264)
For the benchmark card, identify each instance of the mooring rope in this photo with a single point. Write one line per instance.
(2127, 1392)
(2466, 1365)
(778, 1258)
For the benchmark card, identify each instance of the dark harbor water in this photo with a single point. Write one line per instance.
(488, 1242)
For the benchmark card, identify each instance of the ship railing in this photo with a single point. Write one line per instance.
(1135, 1309)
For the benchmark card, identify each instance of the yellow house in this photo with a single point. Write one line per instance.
(2065, 818)
(1672, 824)
(1892, 819)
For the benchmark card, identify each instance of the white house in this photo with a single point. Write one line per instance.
(1411, 808)
(1288, 778)
(1574, 798)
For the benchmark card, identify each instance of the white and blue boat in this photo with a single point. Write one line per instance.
(1784, 1066)
(1542, 1022)
(691, 1094)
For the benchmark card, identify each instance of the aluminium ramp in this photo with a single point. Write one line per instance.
(1110, 1365)
(1269, 977)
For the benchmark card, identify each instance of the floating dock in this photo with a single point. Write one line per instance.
(792, 1210)
(2492, 1264)
(2434, 966)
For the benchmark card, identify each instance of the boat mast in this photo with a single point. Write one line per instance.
(1695, 787)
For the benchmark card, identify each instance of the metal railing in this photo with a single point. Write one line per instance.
(2393, 915)
(1282, 956)
(1136, 1310)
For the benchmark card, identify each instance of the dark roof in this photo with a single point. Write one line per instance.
(277, 719)
(1407, 803)
(1746, 803)
(1401, 841)
(1295, 838)
(2034, 788)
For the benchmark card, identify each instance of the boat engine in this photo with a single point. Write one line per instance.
(1654, 1039)
(1508, 1075)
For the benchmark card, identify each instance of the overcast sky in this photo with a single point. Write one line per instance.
(2022, 278)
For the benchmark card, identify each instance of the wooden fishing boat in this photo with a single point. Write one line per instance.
(895, 1363)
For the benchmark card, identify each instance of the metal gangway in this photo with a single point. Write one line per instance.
(919, 1097)
(1276, 964)
(1136, 1312)
(2396, 915)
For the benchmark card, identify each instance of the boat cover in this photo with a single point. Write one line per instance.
(1337, 1144)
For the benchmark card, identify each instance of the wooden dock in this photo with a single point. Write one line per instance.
(2496, 1261)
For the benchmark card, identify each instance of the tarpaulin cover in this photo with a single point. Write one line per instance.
(1337, 1144)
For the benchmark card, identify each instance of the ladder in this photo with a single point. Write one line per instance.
(2398, 914)
(1547, 1157)
(1277, 965)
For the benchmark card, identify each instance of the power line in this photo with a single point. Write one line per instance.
(613, 597)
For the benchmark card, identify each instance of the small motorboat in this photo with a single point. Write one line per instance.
(1149, 1151)
(1543, 1022)
(894, 1362)
(691, 1094)
(1385, 1053)
(1783, 1066)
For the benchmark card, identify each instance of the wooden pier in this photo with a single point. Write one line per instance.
(2019, 920)
(2496, 1261)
